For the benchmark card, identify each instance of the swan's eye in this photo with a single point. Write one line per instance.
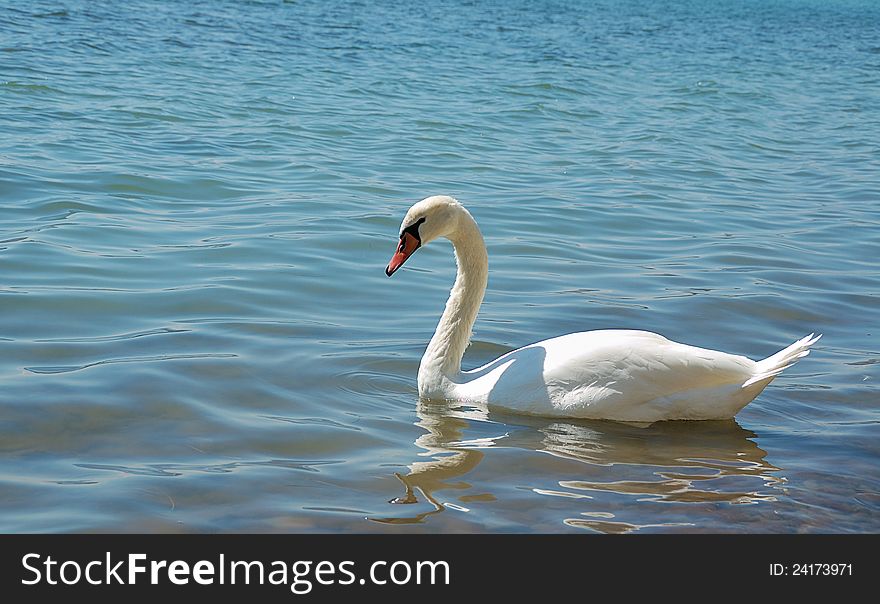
(413, 229)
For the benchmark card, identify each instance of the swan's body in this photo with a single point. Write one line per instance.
(623, 375)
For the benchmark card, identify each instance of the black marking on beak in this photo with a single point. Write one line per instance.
(413, 229)
(410, 241)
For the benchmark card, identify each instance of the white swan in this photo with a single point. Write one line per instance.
(622, 375)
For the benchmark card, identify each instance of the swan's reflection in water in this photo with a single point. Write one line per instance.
(449, 457)
(671, 462)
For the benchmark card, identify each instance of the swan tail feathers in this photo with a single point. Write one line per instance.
(782, 360)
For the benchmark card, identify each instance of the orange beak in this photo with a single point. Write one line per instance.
(408, 244)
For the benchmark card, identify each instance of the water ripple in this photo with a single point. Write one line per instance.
(145, 359)
(115, 338)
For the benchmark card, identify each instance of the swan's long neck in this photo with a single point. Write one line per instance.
(443, 355)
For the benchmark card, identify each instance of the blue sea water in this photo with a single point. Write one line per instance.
(197, 202)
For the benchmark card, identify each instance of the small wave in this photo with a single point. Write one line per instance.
(163, 357)
(865, 362)
(54, 13)
(336, 510)
(139, 471)
(115, 338)
(175, 469)
(616, 528)
(29, 88)
(368, 382)
(319, 421)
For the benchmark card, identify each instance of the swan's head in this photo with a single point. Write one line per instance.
(432, 217)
